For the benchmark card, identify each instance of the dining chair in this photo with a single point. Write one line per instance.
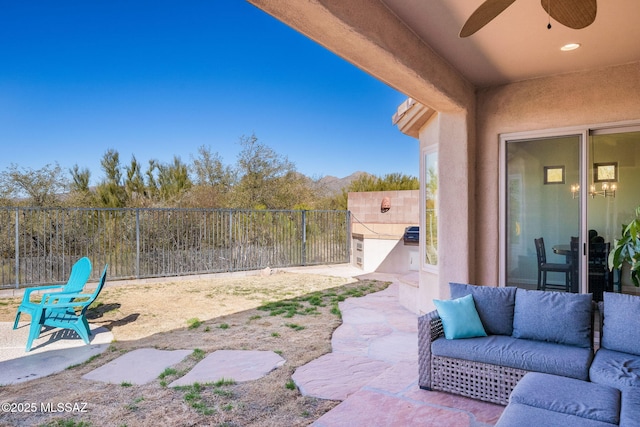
(600, 277)
(545, 267)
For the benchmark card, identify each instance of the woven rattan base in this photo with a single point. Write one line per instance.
(491, 383)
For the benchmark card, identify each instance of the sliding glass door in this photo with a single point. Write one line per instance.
(542, 213)
(557, 189)
(614, 161)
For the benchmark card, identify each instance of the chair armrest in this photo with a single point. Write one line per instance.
(28, 291)
(76, 299)
(429, 329)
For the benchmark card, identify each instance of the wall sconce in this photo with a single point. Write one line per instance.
(385, 205)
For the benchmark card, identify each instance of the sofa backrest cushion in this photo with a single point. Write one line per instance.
(558, 317)
(459, 318)
(620, 331)
(495, 305)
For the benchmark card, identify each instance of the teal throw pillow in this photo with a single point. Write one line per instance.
(460, 318)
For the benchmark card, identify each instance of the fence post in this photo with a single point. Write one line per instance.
(17, 249)
(349, 239)
(304, 237)
(137, 243)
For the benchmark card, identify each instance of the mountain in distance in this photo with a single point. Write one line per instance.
(334, 185)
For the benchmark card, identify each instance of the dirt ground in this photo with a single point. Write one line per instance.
(292, 314)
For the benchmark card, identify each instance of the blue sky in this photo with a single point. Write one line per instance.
(160, 78)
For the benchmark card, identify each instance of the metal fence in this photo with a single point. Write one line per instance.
(39, 245)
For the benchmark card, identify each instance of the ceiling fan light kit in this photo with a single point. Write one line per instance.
(576, 14)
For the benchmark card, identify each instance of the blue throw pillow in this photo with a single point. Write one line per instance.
(460, 318)
(495, 305)
(557, 317)
(620, 331)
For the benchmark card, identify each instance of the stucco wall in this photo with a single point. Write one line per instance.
(369, 221)
(580, 99)
(380, 233)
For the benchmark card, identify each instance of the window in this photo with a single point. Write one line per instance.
(430, 234)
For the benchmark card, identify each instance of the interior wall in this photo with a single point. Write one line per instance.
(579, 99)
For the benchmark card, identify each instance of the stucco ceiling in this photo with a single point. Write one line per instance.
(517, 44)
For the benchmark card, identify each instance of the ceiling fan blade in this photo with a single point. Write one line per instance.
(574, 14)
(484, 14)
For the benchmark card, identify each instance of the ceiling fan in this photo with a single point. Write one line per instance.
(574, 14)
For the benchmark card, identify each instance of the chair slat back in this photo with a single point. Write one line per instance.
(96, 292)
(540, 250)
(80, 273)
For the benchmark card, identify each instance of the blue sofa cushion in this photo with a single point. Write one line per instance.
(460, 318)
(518, 415)
(568, 396)
(495, 305)
(555, 317)
(528, 355)
(615, 369)
(630, 408)
(620, 331)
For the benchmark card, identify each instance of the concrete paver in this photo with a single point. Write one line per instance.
(236, 365)
(138, 366)
(324, 377)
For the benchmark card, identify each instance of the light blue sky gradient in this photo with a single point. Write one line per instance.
(160, 78)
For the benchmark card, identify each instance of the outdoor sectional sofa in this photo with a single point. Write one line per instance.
(612, 397)
(526, 331)
(547, 373)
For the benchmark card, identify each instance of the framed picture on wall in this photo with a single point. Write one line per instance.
(605, 172)
(554, 174)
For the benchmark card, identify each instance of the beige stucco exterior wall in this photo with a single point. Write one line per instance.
(450, 134)
(368, 220)
(580, 99)
(379, 234)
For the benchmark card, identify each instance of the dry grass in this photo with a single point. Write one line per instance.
(203, 315)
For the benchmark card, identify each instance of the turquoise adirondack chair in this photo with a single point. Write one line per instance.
(65, 310)
(80, 273)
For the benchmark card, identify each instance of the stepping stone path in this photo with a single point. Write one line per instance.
(236, 365)
(324, 377)
(144, 365)
(138, 366)
(373, 370)
(375, 335)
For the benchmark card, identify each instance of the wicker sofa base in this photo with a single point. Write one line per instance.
(483, 381)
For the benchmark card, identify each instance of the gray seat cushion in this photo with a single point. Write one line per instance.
(555, 317)
(615, 369)
(518, 415)
(618, 332)
(630, 409)
(516, 353)
(568, 396)
(494, 305)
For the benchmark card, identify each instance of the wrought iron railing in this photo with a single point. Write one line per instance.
(39, 245)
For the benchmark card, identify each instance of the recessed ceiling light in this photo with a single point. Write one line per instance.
(570, 46)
